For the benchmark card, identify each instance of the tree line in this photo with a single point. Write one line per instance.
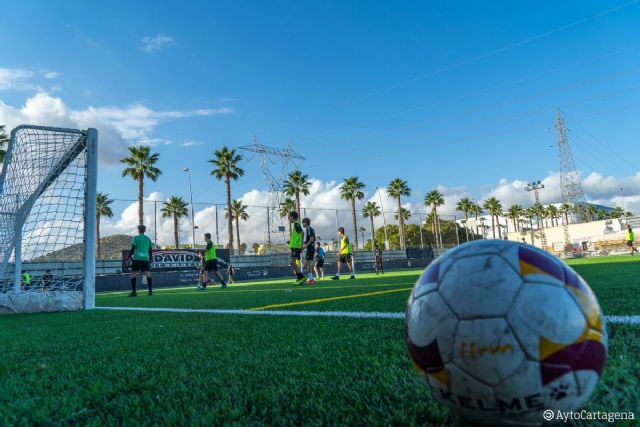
(140, 165)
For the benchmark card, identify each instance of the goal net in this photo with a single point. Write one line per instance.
(47, 220)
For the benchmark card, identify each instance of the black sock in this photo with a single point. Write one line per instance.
(299, 275)
(149, 284)
(133, 285)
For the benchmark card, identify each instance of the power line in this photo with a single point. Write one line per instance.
(468, 61)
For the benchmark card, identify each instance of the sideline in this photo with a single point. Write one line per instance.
(624, 320)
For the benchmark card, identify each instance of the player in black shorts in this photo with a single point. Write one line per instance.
(210, 265)
(377, 252)
(308, 243)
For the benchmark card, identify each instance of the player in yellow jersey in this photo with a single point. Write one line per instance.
(630, 239)
(210, 265)
(344, 255)
(295, 245)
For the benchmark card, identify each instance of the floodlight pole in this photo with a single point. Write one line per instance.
(624, 212)
(420, 225)
(217, 235)
(193, 220)
(268, 230)
(535, 187)
(384, 221)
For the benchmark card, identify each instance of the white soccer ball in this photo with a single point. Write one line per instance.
(502, 331)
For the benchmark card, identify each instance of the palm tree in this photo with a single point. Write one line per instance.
(175, 208)
(103, 208)
(530, 213)
(371, 210)
(465, 205)
(398, 188)
(4, 141)
(617, 212)
(476, 210)
(514, 213)
(140, 164)
(539, 214)
(225, 162)
(434, 199)
(405, 214)
(286, 207)
(554, 214)
(238, 212)
(494, 207)
(351, 190)
(296, 184)
(565, 210)
(591, 211)
(602, 214)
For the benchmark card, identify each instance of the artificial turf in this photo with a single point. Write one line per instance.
(143, 368)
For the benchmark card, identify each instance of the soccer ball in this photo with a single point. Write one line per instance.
(502, 331)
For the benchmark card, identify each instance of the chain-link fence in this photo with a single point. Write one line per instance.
(260, 229)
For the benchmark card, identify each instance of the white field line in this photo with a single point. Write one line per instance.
(626, 320)
(354, 314)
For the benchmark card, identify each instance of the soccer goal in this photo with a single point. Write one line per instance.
(48, 220)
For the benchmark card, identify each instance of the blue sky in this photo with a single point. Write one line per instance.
(439, 93)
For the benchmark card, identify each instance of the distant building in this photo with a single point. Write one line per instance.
(484, 228)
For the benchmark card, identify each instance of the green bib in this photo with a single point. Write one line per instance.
(296, 237)
(210, 252)
(142, 245)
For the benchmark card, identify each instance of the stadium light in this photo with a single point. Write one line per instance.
(193, 224)
(384, 221)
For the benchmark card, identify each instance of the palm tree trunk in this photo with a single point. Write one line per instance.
(298, 203)
(401, 224)
(355, 222)
(373, 232)
(493, 226)
(140, 199)
(229, 216)
(499, 227)
(466, 229)
(175, 231)
(238, 234)
(477, 228)
(98, 235)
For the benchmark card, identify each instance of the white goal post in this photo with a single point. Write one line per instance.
(48, 220)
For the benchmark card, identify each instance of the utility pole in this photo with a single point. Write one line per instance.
(193, 219)
(535, 187)
(384, 221)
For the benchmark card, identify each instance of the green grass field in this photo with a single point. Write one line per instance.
(149, 368)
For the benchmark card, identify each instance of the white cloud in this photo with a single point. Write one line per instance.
(137, 120)
(324, 199)
(117, 126)
(154, 141)
(16, 79)
(191, 143)
(153, 43)
(320, 206)
(50, 75)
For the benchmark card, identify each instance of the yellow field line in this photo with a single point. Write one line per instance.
(321, 300)
(231, 290)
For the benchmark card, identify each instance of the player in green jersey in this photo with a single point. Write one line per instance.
(210, 265)
(295, 245)
(142, 255)
(344, 256)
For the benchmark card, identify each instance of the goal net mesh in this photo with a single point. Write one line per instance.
(42, 202)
